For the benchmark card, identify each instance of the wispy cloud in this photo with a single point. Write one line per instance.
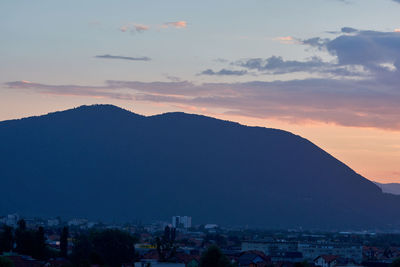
(224, 72)
(175, 24)
(124, 58)
(70, 90)
(356, 103)
(285, 39)
(140, 28)
(134, 27)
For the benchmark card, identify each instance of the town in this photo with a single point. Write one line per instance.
(35, 242)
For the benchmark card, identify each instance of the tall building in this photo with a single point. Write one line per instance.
(181, 221)
(12, 220)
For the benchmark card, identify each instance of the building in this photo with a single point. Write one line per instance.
(253, 258)
(12, 220)
(311, 251)
(77, 222)
(326, 260)
(181, 221)
(270, 248)
(53, 222)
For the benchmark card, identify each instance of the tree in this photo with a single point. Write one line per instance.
(82, 250)
(395, 263)
(64, 242)
(40, 244)
(24, 239)
(214, 257)
(22, 225)
(6, 239)
(115, 247)
(6, 262)
(109, 247)
(165, 246)
(29, 242)
(302, 264)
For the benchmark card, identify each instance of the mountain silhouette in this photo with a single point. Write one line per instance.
(103, 162)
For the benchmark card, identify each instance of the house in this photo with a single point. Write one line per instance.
(326, 260)
(253, 259)
(288, 256)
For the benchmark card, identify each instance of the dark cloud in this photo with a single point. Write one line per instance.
(316, 42)
(124, 58)
(369, 49)
(366, 48)
(277, 65)
(224, 72)
(349, 29)
(357, 54)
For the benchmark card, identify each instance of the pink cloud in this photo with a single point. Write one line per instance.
(141, 27)
(124, 28)
(175, 24)
(134, 27)
(285, 39)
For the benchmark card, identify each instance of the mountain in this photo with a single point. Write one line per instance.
(103, 162)
(391, 188)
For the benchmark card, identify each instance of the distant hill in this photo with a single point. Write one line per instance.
(103, 162)
(391, 188)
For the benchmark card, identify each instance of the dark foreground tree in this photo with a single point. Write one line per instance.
(64, 242)
(6, 239)
(109, 247)
(166, 248)
(82, 250)
(39, 244)
(395, 263)
(302, 264)
(213, 257)
(30, 242)
(6, 262)
(24, 239)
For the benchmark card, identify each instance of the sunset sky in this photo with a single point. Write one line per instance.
(328, 70)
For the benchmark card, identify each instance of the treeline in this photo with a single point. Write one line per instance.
(102, 247)
(30, 242)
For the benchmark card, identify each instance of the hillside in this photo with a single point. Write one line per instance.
(103, 162)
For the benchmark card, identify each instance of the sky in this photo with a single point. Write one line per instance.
(328, 70)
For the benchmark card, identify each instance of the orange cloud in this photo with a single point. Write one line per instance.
(175, 24)
(141, 27)
(285, 39)
(134, 28)
(397, 30)
(124, 28)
